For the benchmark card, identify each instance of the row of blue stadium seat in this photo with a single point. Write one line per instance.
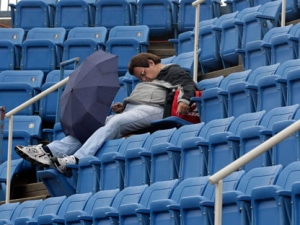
(248, 198)
(45, 48)
(170, 15)
(141, 159)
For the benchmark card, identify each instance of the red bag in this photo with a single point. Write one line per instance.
(193, 115)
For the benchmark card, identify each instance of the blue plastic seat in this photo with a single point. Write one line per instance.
(47, 206)
(209, 42)
(42, 49)
(127, 41)
(43, 12)
(110, 214)
(17, 87)
(209, 83)
(26, 208)
(165, 156)
(275, 199)
(236, 207)
(113, 163)
(72, 203)
(213, 103)
(7, 210)
(194, 150)
(114, 13)
(238, 5)
(224, 147)
(10, 48)
(137, 160)
(186, 13)
(66, 9)
(272, 90)
(258, 53)
(82, 42)
(141, 212)
(293, 87)
(242, 96)
(165, 19)
(48, 104)
(97, 200)
(164, 211)
(185, 61)
(190, 211)
(251, 137)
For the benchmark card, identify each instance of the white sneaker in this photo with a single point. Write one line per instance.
(61, 163)
(34, 154)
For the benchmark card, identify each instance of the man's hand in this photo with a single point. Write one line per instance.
(183, 108)
(117, 107)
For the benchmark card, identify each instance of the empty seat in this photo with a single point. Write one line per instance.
(7, 210)
(83, 9)
(224, 147)
(209, 40)
(238, 5)
(72, 203)
(164, 211)
(112, 163)
(126, 42)
(165, 156)
(186, 61)
(242, 96)
(251, 137)
(141, 211)
(186, 13)
(164, 21)
(17, 87)
(114, 13)
(258, 53)
(273, 200)
(236, 203)
(28, 14)
(42, 49)
(10, 47)
(213, 103)
(209, 83)
(293, 87)
(82, 42)
(189, 208)
(194, 150)
(129, 195)
(137, 160)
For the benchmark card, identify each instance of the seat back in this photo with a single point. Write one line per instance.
(137, 164)
(185, 61)
(7, 210)
(120, 9)
(10, 52)
(293, 87)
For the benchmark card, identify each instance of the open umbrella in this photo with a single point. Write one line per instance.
(88, 95)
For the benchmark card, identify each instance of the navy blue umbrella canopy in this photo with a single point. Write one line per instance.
(88, 95)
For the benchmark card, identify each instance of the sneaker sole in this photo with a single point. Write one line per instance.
(28, 158)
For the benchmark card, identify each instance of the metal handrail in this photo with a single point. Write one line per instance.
(11, 113)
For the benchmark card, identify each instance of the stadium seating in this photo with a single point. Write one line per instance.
(141, 211)
(17, 87)
(28, 14)
(271, 203)
(189, 206)
(293, 87)
(10, 48)
(7, 210)
(66, 9)
(186, 61)
(194, 150)
(165, 19)
(137, 160)
(242, 96)
(213, 104)
(82, 42)
(238, 5)
(209, 83)
(224, 147)
(127, 41)
(251, 137)
(114, 13)
(42, 49)
(186, 13)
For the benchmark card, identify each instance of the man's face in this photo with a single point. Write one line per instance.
(146, 74)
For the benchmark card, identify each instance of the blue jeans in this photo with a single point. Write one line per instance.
(133, 118)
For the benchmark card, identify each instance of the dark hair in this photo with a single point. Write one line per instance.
(141, 60)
